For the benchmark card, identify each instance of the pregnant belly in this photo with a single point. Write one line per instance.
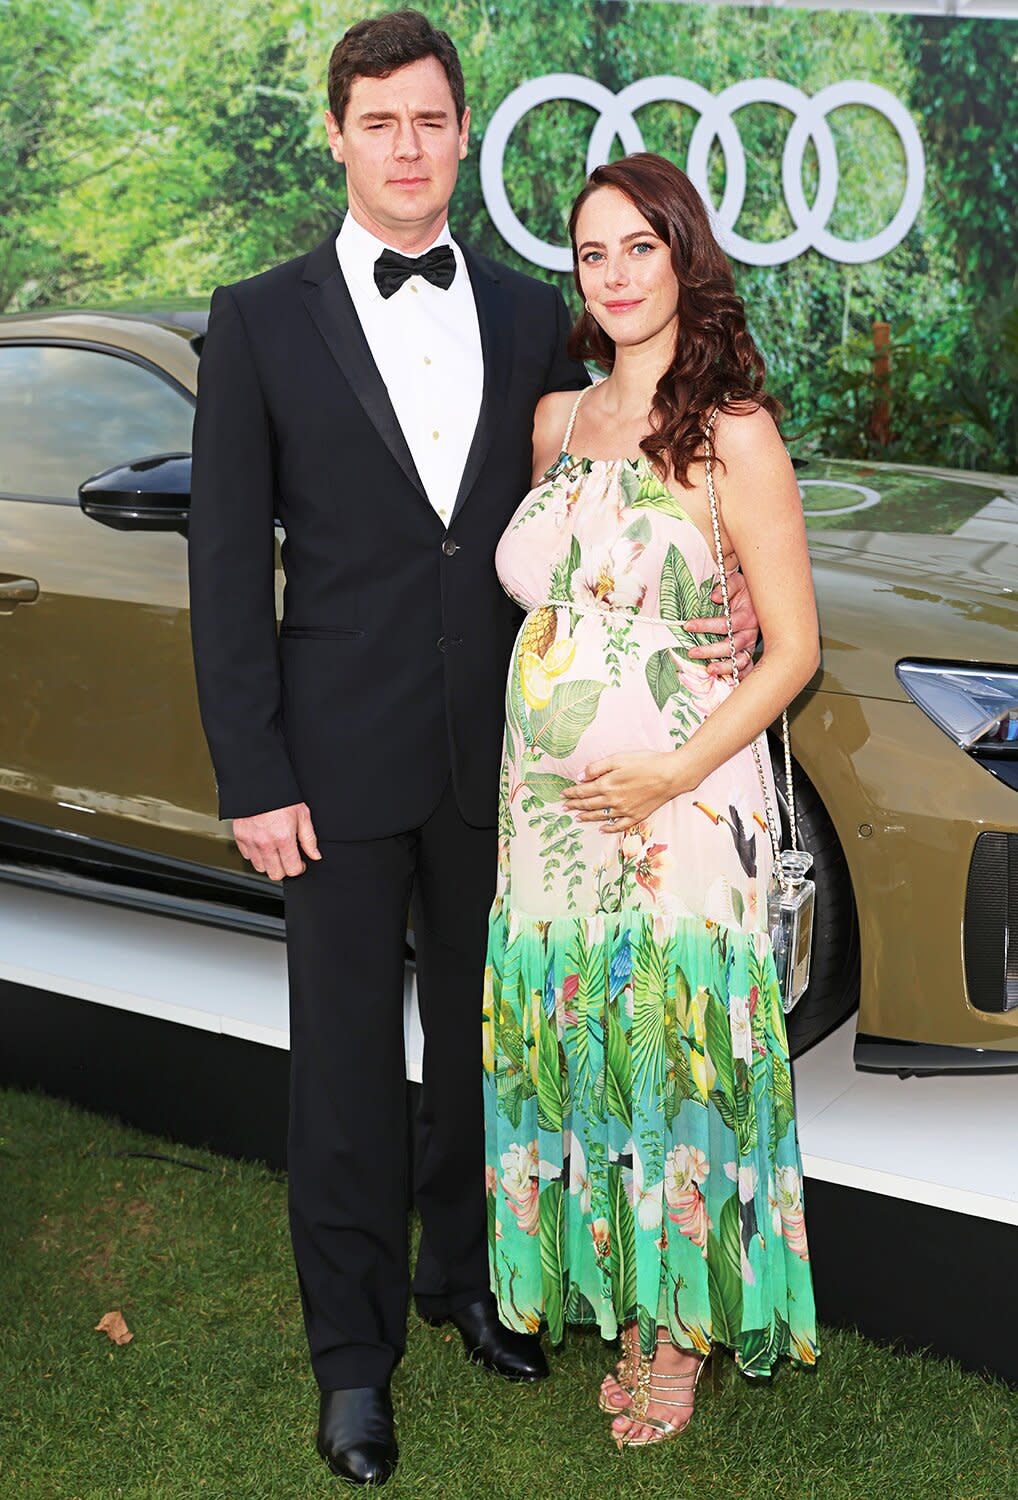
(584, 687)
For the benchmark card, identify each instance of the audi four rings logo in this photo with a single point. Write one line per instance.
(716, 122)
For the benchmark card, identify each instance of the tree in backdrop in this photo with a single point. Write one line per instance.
(163, 146)
(41, 47)
(965, 87)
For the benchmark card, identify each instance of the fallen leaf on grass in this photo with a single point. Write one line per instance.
(113, 1325)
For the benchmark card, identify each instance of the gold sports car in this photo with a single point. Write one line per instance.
(906, 740)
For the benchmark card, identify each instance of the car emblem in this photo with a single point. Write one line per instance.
(716, 122)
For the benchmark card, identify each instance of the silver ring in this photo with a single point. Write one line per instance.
(607, 812)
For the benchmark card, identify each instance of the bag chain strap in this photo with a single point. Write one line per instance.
(773, 827)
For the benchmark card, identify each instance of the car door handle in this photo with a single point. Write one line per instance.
(16, 590)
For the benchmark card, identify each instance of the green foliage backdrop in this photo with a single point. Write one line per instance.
(150, 149)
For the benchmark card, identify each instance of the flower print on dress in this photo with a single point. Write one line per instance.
(565, 1014)
(757, 1021)
(741, 1028)
(746, 1177)
(605, 579)
(580, 1185)
(752, 902)
(565, 500)
(600, 1233)
(686, 1168)
(650, 862)
(772, 1206)
(520, 1173)
(789, 1199)
(644, 1199)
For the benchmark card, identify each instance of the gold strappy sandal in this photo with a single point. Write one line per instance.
(624, 1373)
(674, 1391)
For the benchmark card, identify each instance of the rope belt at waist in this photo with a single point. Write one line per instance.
(634, 617)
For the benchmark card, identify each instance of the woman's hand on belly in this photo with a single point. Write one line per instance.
(632, 784)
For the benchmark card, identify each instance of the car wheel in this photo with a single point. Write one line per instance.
(833, 989)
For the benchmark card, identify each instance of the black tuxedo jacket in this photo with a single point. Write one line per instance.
(390, 663)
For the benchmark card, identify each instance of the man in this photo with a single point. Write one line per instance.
(377, 395)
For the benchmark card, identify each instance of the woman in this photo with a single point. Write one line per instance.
(643, 1168)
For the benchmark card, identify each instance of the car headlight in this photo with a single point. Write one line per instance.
(976, 706)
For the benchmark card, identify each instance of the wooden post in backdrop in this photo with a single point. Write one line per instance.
(880, 419)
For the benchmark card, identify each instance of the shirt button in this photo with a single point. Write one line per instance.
(413, 286)
(449, 546)
(434, 434)
(427, 360)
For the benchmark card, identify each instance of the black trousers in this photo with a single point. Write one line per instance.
(349, 1176)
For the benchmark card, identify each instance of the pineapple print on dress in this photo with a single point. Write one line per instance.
(642, 1158)
(542, 656)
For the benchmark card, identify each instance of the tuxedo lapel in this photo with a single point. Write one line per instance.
(327, 298)
(494, 317)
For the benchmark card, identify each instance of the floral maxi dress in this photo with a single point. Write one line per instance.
(642, 1158)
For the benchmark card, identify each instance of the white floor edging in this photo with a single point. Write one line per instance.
(944, 1141)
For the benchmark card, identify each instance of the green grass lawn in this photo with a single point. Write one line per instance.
(214, 1396)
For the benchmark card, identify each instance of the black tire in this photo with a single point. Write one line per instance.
(833, 990)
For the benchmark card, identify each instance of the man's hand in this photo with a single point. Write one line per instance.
(745, 627)
(273, 841)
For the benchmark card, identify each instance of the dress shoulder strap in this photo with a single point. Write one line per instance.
(564, 456)
(567, 439)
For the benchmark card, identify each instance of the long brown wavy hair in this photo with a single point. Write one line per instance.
(717, 362)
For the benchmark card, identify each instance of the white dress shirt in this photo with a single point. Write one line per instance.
(427, 346)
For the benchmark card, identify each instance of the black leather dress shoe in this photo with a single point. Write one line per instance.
(517, 1356)
(355, 1434)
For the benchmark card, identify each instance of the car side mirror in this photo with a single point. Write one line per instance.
(150, 494)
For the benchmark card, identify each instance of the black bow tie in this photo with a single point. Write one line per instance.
(437, 266)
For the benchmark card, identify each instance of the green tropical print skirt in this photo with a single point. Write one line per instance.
(641, 1149)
